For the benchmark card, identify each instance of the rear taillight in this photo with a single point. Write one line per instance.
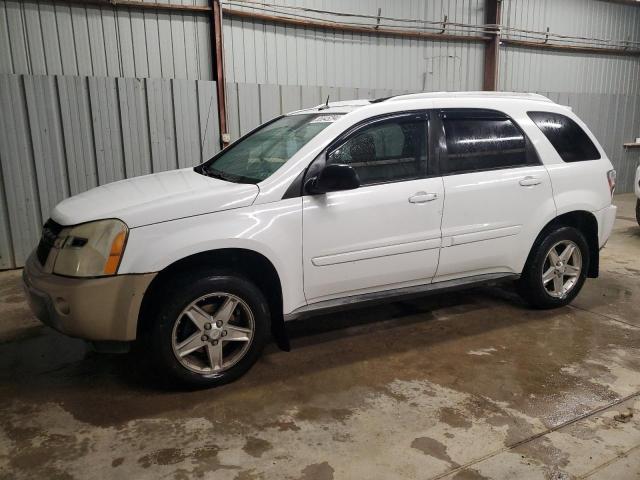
(611, 178)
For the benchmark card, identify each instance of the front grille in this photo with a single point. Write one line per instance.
(50, 232)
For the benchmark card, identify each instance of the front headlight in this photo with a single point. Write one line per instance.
(92, 249)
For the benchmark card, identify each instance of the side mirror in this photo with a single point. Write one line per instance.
(332, 178)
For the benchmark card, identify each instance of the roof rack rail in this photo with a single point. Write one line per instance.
(427, 95)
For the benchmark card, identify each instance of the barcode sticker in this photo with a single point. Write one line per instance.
(325, 119)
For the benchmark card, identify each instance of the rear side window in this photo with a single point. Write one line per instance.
(391, 150)
(481, 140)
(566, 136)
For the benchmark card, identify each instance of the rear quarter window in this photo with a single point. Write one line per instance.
(570, 141)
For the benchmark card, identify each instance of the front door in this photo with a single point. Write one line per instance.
(384, 234)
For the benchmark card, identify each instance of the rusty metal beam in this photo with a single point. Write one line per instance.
(492, 48)
(625, 2)
(570, 48)
(343, 27)
(216, 37)
(137, 4)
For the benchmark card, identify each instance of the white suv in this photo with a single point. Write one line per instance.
(326, 208)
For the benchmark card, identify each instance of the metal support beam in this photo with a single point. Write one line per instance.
(569, 48)
(342, 27)
(216, 37)
(137, 4)
(493, 37)
(635, 3)
(492, 48)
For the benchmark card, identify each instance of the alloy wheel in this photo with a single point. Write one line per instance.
(562, 268)
(213, 333)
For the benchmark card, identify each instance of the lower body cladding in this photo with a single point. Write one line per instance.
(95, 309)
(398, 294)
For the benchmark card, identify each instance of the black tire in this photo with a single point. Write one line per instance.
(638, 211)
(177, 295)
(530, 285)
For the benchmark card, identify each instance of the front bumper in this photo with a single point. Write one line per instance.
(95, 309)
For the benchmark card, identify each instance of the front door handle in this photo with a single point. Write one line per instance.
(422, 197)
(530, 181)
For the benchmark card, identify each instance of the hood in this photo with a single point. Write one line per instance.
(155, 198)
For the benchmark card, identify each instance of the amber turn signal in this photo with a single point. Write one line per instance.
(117, 248)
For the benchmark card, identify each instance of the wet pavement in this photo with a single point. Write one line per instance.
(465, 385)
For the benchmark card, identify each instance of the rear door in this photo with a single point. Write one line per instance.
(497, 194)
(386, 233)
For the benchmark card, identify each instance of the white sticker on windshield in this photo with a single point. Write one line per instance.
(325, 119)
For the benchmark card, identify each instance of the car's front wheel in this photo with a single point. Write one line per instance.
(210, 328)
(556, 269)
(638, 211)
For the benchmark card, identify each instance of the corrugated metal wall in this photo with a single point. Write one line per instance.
(93, 94)
(264, 53)
(61, 135)
(259, 52)
(61, 39)
(571, 72)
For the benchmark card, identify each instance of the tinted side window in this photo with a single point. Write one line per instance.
(476, 143)
(387, 151)
(566, 136)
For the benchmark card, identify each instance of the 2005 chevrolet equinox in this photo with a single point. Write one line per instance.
(323, 208)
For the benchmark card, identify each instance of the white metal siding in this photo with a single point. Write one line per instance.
(544, 70)
(46, 38)
(264, 53)
(91, 95)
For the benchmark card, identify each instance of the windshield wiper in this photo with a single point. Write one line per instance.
(213, 173)
(218, 174)
(227, 177)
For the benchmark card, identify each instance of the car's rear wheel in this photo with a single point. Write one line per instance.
(211, 328)
(556, 269)
(638, 211)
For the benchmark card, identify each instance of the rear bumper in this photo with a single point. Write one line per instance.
(606, 218)
(95, 309)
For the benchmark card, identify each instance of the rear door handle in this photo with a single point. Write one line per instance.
(422, 197)
(530, 181)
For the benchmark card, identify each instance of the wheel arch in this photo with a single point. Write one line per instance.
(252, 265)
(587, 224)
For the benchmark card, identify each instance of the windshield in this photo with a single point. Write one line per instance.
(258, 155)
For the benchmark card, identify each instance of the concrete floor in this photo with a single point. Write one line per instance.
(466, 385)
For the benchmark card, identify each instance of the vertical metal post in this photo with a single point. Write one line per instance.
(216, 37)
(492, 48)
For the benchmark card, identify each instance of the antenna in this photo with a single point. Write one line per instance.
(326, 105)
